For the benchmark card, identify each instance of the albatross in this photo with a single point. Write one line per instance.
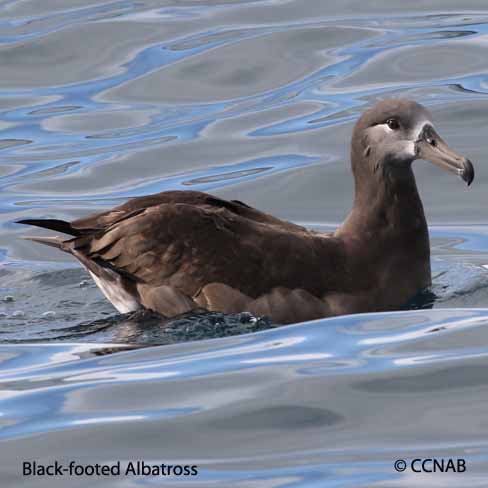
(176, 251)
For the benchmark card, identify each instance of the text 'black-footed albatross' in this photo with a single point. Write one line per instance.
(180, 250)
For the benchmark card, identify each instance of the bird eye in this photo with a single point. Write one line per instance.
(393, 124)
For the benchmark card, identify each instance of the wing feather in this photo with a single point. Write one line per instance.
(177, 243)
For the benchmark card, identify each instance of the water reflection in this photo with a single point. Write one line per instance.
(280, 410)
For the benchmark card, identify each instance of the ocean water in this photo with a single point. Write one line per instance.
(101, 101)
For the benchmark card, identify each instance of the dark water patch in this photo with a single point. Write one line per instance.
(8, 143)
(226, 176)
(41, 112)
(281, 418)
(146, 327)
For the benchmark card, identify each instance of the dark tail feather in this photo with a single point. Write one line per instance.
(56, 241)
(52, 224)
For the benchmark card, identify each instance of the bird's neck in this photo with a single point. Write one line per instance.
(386, 232)
(386, 204)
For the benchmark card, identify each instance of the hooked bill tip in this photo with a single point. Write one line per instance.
(468, 172)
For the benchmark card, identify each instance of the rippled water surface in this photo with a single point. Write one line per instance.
(254, 100)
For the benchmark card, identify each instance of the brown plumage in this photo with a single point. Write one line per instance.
(179, 250)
